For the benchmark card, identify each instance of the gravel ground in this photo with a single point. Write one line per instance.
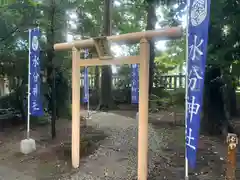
(11, 174)
(116, 159)
(117, 156)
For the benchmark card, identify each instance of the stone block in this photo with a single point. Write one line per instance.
(27, 146)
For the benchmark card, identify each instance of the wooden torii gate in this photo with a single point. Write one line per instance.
(104, 57)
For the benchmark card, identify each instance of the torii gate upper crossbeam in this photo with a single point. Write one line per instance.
(130, 38)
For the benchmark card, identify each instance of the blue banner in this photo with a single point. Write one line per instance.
(35, 108)
(199, 12)
(135, 84)
(86, 79)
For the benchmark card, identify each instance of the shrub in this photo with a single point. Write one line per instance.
(178, 97)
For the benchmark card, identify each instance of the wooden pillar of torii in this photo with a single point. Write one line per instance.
(104, 57)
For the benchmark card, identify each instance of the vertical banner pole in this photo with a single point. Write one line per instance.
(186, 89)
(29, 74)
(34, 96)
(197, 41)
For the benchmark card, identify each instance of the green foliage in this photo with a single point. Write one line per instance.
(164, 63)
(160, 99)
(178, 97)
(177, 50)
(124, 75)
(224, 50)
(127, 16)
(62, 94)
(7, 101)
(164, 100)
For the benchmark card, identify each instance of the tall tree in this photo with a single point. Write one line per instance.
(151, 23)
(91, 26)
(54, 23)
(14, 22)
(222, 52)
(50, 65)
(106, 99)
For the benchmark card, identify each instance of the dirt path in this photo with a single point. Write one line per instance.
(114, 157)
(171, 161)
(51, 160)
(117, 156)
(11, 174)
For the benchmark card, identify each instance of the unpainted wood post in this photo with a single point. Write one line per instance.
(75, 108)
(143, 110)
(232, 141)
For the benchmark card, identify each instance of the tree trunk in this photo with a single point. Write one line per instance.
(54, 104)
(106, 99)
(51, 69)
(214, 121)
(151, 22)
(21, 100)
(233, 99)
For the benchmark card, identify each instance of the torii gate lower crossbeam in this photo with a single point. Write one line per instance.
(143, 60)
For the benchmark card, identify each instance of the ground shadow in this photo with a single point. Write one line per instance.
(52, 160)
